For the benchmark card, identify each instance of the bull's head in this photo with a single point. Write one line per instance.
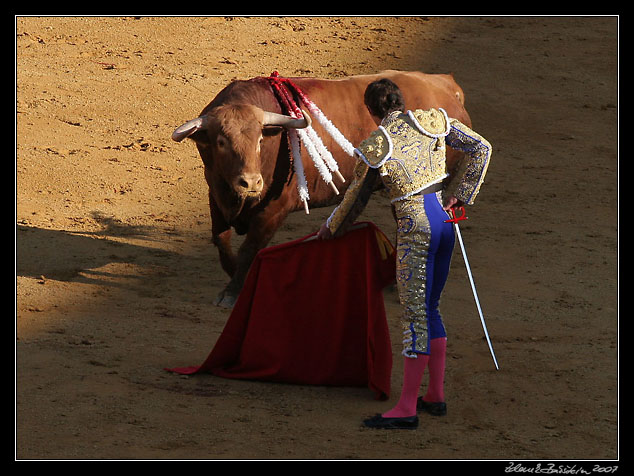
(228, 138)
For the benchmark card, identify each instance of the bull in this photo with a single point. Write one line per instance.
(241, 136)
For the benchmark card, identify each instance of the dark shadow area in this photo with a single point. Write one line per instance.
(77, 256)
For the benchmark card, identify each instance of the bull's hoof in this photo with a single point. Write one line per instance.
(225, 300)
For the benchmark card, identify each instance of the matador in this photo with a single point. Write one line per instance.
(407, 152)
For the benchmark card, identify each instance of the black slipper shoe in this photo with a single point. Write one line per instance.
(403, 423)
(433, 408)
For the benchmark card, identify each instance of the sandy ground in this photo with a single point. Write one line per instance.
(115, 273)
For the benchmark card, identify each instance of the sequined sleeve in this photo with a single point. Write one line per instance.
(478, 151)
(376, 149)
(354, 200)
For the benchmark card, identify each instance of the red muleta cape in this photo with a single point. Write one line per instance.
(312, 312)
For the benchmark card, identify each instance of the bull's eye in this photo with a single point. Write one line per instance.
(222, 142)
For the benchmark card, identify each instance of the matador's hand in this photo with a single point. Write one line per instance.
(324, 233)
(452, 202)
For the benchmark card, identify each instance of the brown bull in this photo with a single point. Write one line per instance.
(242, 141)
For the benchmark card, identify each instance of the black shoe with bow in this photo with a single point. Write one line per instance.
(433, 408)
(402, 423)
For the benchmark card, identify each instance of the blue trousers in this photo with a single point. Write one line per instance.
(424, 248)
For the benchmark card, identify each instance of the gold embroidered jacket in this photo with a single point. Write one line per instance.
(408, 152)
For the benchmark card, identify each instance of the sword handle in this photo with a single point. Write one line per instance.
(456, 218)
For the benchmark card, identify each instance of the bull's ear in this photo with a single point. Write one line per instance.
(189, 129)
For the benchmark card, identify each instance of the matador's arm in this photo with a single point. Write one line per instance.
(478, 151)
(354, 200)
(369, 155)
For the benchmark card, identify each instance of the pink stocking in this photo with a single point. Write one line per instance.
(412, 376)
(436, 390)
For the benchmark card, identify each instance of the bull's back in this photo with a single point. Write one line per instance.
(424, 91)
(342, 99)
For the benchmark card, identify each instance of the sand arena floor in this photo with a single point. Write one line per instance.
(116, 274)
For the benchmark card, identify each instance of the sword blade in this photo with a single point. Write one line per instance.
(475, 293)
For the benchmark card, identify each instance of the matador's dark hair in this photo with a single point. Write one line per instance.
(383, 97)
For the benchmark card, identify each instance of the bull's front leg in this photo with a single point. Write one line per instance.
(246, 254)
(221, 233)
(262, 228)
(221, 237)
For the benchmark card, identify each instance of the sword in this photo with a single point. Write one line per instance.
(455, 221)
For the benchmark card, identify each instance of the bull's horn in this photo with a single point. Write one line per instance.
(188, 129)
(274, 119)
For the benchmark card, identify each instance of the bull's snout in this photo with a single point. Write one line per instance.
(249, 184)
